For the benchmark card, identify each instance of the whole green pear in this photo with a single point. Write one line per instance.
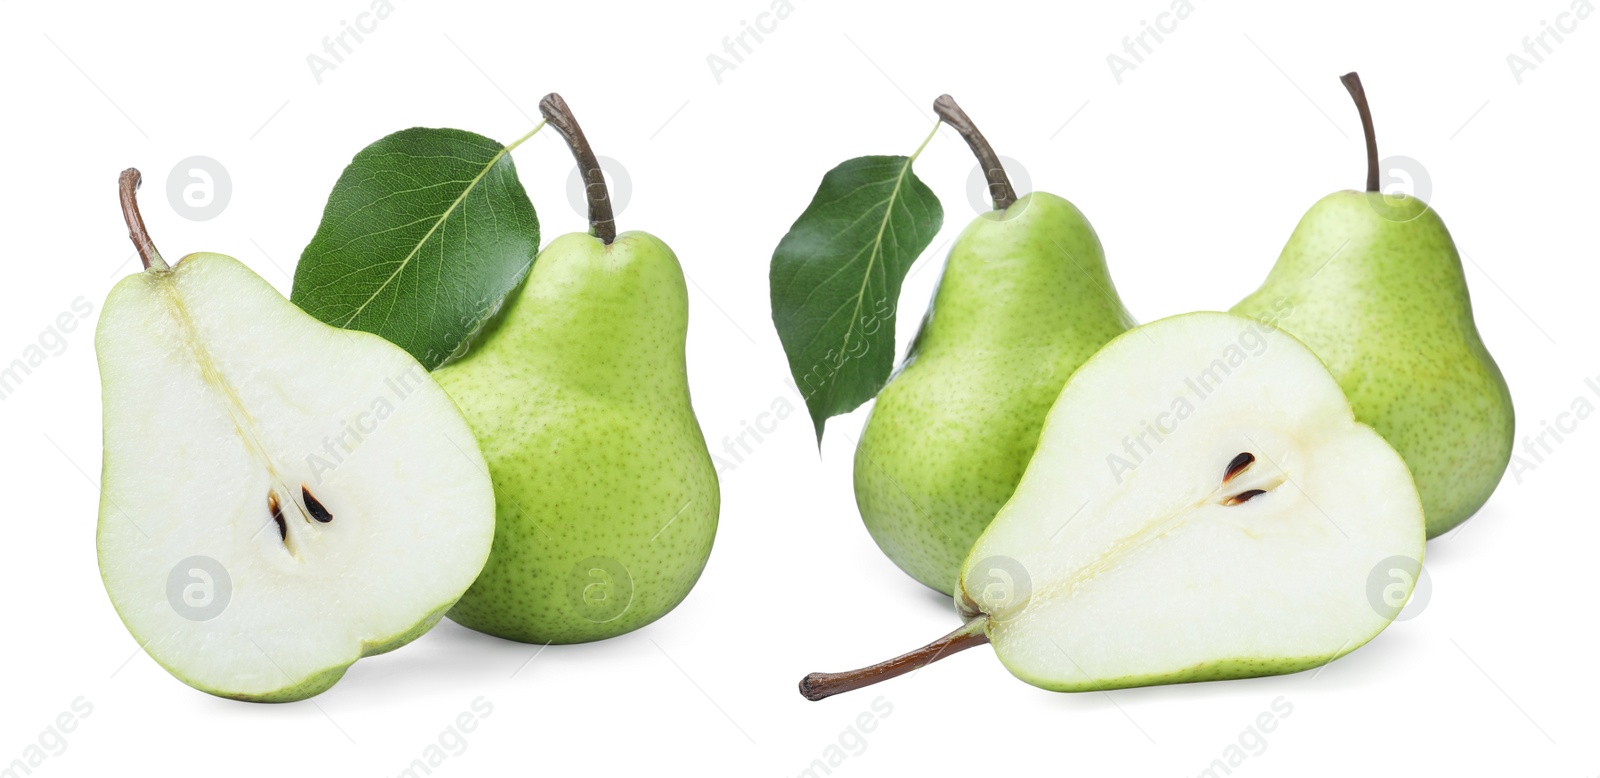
(606, 497)
(1374, 285)
(1025, 299)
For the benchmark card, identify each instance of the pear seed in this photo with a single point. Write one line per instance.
(1238, 465)
(277, 516)
(317, 511)
(1244, 497)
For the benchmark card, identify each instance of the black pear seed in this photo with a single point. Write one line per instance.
(1238, 465)
(277, 515)
(317, 511)
(1244, 497)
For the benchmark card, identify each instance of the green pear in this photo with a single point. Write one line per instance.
(1203, 505)
(278, 498)
(1025, 298)
(1374, 285)
(606, 495)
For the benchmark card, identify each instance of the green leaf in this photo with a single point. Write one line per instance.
(836, 279)
(424, 235)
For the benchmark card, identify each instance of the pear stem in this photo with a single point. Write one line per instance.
(127, 187)
(818, 686)
(602, 224)
(999, 184)
(1352, 82)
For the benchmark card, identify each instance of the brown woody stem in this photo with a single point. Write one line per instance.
(817, 686)
(1352, 82)
(999, 184)
(127, 188)
(602, 225)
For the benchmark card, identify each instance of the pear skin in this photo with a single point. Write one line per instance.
(1024, 299)
(1377, 291)
(606, 495)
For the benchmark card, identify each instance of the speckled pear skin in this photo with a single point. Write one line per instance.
(1390, 316)
(606, 497)
(1023, 301)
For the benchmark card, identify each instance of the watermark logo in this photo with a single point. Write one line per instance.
(199, 188)
(1397, 175)
(980, 194)
(1000, 586)
(618, 187)
(600, 589)
(1398, 588)
(199, 588)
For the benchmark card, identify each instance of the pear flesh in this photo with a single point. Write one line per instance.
(1024, 299)
(279, 497)
(579, 397)
(1202, 505)
(1374, 286)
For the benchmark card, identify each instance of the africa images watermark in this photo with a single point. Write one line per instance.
(1551, 33)
(1252, 740)
(737, 448)
(51, 342)
(852, 741)
(338, 446)
(1136, 47)
(1538, 447)
(1141, 443)
(738, 46)
(337, 46)
(51, 742)
(821, 375)
(452, 740)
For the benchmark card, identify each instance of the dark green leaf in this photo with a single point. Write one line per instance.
(424, 235)
(836, 279)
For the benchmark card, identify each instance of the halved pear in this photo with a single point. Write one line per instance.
(279, 497)
(1202, 505)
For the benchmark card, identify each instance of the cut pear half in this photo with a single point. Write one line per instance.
(1202, 505)
(279, 497)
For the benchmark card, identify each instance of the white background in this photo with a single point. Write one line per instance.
(1194, 170)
